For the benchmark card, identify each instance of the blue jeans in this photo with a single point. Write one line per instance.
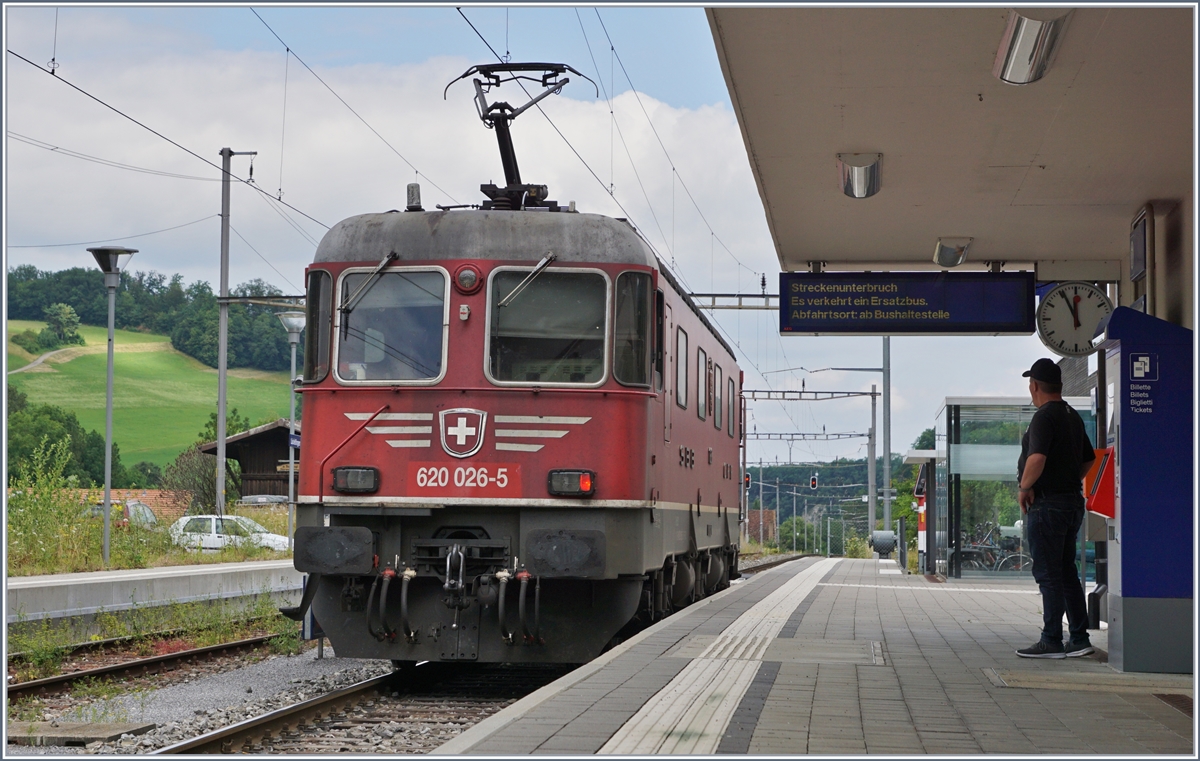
(1053, 522)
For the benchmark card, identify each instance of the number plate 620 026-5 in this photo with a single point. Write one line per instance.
(484, 480)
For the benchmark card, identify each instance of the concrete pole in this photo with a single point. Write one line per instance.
(223, 331)
(871, 496)
(828, 536)
(111, 281)
(887, 432)
(777, 512)
(223, 323)
(760, 506)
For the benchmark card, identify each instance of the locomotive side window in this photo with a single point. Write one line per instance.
(631, 350)
(552, 331)
(681, 366)
(316, 337)
(659, 340)
(717, 400)
(701, 383)
(395, 330)
(732, 400)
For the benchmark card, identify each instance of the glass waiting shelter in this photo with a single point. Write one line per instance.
(978, 526)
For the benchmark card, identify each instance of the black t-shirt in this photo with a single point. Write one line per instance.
(1057, 431)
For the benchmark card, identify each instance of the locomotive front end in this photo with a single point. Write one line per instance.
(477, 405)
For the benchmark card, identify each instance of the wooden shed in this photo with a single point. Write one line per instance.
(262, 453)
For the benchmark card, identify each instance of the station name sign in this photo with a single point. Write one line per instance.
(907, 303)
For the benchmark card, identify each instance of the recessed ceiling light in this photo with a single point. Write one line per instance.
(1028, 45)
(859, 173)
(951, 252)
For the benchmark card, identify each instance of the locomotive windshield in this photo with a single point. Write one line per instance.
(552, 332)
(396, 330)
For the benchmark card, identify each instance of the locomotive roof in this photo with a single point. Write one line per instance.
(424, 236)
(432, 235)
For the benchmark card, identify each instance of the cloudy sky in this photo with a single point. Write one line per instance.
(662, 135)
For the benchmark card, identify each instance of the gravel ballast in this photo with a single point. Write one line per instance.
(191, 708)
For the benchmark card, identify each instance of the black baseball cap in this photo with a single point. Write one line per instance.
(1044, 370)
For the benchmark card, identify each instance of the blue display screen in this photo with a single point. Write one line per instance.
(912, 303)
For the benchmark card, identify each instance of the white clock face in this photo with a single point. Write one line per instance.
(1068, 317)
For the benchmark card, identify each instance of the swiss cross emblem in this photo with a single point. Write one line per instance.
(462, 431)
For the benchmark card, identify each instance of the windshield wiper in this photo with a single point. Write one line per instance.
(542, 265)
(351, 302)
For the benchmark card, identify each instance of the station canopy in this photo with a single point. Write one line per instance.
(1050, 172)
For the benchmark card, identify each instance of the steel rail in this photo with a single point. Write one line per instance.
(153, 664)
(226, 739)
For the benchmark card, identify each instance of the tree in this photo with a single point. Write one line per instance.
(191, 478)
(234, 423)
(146, 475)
(29, 425)
(62, 323)
(927, 440)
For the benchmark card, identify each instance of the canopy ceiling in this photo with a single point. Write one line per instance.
(1050, 172)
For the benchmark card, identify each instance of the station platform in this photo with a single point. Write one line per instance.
(67, 595)
(840, 656)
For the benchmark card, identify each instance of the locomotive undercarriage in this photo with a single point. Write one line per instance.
(520, 585)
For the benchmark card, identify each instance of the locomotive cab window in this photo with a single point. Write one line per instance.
(394, 329)
(631, 348)
(319, 326)
(551, 331)
(659, 339)
(701, 383)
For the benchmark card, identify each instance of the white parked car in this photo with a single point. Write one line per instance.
(214, 532)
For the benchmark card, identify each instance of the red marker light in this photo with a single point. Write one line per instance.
(585, 482)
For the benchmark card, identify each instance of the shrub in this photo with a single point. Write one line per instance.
(856, 547)
(28, 340)
(48, 530)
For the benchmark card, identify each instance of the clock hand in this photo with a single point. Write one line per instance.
(1075, 311)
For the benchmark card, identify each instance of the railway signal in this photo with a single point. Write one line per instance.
(812, 482)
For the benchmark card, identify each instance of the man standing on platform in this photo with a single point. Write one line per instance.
(1055, 456)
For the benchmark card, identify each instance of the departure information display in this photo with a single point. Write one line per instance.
(907, 303)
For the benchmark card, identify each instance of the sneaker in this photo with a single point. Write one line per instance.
(1042, 650)
(1078, 651)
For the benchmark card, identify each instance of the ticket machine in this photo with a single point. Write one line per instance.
(1150, 394)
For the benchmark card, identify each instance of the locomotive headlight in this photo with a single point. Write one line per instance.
(467, 279)
(355, 480)
(572, 483)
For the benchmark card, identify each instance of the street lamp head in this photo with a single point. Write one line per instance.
(293, 323)
(107, 257)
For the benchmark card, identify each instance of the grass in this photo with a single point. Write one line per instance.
(161, 398)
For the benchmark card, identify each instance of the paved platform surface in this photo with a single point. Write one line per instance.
(844, 657)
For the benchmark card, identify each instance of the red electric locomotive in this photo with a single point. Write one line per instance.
(519, 433)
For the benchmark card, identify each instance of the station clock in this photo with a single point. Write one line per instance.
(1068, 316)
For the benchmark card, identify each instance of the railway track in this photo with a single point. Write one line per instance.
(413, 710)
(142, 666)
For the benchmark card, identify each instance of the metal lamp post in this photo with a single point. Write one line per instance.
(108, 257)
(293, 322)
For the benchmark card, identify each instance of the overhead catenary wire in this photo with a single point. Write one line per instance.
(625, 145)
(287, 57)
(156, 133)
(123, 237)
(680, 275)
(342, 100)
(260, 256)
(663, 145)
(102, 161)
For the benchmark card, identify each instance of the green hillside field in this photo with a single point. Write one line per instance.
(161, 398)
